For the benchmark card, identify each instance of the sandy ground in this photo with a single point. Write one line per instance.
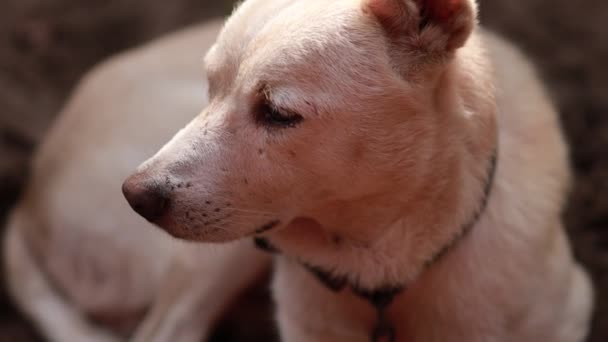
(46, 46)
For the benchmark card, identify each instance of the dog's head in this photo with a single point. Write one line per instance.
(317, 110)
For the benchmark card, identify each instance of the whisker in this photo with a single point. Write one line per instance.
(298, 168)
(220, 228)
(249, 211)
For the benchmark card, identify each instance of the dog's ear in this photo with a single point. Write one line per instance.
(431, 25)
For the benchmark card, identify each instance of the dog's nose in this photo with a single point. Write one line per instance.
(149, 201)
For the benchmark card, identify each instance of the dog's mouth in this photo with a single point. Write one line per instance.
(295, 226)
(211, 230)
(301, 227)
(217, 224)
(267, 227)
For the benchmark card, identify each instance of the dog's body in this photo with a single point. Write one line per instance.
(489, 286)
(382, 203)
(73, 247)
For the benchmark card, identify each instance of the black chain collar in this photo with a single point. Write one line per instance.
(381, 298)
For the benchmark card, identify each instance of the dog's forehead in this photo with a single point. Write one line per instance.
(248, 19)
(277, 39)
(282, 17)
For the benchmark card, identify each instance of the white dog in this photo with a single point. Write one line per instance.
(365, 140)
(406, 164)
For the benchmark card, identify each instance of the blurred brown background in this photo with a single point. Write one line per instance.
(45, 46)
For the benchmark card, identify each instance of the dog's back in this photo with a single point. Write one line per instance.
(72, 234)
(535, 177)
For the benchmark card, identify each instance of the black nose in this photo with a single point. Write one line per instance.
(149, 201)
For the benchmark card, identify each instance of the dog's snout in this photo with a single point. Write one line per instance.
(149, 201)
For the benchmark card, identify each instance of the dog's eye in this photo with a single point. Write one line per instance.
(270, 115)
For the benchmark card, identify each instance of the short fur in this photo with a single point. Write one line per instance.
(400, 106)
(78, 261)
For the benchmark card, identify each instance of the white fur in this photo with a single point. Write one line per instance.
(73, 246)
(388, 164)
(400, 120)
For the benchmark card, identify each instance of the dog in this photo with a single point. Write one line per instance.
(78, 262)
(405, 164)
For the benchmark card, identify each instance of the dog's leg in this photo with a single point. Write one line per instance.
(27, 284)
(202, 282)
(308, 311)
(293, 332)
(578, 304)
(571, 292)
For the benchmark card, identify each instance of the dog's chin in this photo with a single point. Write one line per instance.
(217, 234)
(193, 233)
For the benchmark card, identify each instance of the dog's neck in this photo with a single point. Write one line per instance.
(392, 242)
(334, 280)
(381, 298)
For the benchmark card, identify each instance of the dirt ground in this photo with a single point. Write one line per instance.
(46, 46)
